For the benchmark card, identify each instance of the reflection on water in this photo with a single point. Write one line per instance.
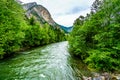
(51, 62)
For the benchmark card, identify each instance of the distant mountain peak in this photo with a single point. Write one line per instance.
(42, 15)
(27, 6)
(38, 11)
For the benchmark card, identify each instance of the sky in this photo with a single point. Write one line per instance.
(65, 12)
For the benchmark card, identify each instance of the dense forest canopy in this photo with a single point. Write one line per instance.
(95, 38)
(17, 32)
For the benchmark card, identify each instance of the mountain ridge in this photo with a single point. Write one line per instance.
(42, 15)
(39, 12)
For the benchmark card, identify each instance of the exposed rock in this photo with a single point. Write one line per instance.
(42, 15)
(106, 76)
(116, 77)
(102, 76)
(87, 78)
(20, 2)
(29, 5)
(39, 12)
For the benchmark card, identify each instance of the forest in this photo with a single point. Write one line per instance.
(95, 39)
(17, 32)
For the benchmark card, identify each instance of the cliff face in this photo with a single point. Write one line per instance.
(39, 12)
(42, 15)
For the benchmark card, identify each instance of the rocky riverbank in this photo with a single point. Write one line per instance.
(103, 76)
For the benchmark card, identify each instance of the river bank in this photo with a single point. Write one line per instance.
(50, 62)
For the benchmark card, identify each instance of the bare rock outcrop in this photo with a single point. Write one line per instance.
(39, 12)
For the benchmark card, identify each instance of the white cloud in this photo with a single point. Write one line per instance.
(65, 12)
(68, 20)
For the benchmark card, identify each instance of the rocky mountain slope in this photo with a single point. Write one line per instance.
(42, 15)
(39, 12)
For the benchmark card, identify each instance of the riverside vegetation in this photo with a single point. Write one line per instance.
(95, 38)
(17, 32)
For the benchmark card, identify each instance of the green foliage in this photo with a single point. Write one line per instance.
(97, 40)
(32, 21)
(11, 27)
(16, 33)
(37, 35)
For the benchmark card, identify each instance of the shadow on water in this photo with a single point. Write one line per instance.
(51, 62)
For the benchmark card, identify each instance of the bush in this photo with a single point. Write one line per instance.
(11, 27)
(17, 32)
(97, 40)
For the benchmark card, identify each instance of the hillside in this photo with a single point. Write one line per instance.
(95, 38)
(41, 14)
(18, 32)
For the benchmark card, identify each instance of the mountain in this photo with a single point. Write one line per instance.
(66, 29)
(41, 14)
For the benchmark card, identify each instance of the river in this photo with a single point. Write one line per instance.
(50, 62)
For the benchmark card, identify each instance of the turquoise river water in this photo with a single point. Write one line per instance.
(51, 62)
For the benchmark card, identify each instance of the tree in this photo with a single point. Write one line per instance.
(11, 27)
(97, 40)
